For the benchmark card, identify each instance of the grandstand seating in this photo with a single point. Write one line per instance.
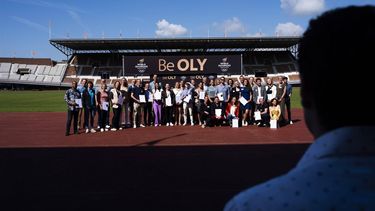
(39, 74)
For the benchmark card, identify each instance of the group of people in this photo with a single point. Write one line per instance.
(209, 103)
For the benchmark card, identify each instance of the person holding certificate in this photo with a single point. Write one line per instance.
(206, 112)
(232, 111)
(186, 96)
(168, 102)
(156, 105)
(70, 97)
(147, 107)
(199, 99)
(103, 101)
(261, 115)
(223, 92)
(217, 112)
(137, 104)
(275, 111)
(81, 87)
(89, 103)
(246, 98)
(259, 91)
(126, 104)
(117, 100)
(235, 91)
(270, 90)
(178, 105)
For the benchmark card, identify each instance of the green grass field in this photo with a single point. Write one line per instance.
(32, 101)
(50, 101)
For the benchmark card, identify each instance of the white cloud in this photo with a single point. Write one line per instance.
(30, 24)
(288, 29)
(166, 29)
(233, 25)
(303, 7)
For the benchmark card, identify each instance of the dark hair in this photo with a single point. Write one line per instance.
(90, 82)
(334, 45)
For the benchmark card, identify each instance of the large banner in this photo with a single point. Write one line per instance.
(183, 65)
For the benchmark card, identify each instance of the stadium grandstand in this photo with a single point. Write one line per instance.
(172, 59)
(25, 72)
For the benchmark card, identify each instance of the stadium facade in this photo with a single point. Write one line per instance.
(171, 59)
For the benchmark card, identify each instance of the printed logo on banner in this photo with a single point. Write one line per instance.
(224, 65)
(141, 66)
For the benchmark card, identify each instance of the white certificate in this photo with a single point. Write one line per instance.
(168, 101)
(201, 95)
(218, 112)
(150, 98)
(157, 95)
(187, 98)
(273, 124)
(269, 97)
(78, 102)
(235, 122)
(120, 100)
(243, 101)
(221, 97)
(178, 99)
(257, 116)
(105, 106)
(142, 98)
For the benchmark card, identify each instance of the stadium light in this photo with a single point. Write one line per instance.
(123, 66)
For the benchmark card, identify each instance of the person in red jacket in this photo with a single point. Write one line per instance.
(232, 110)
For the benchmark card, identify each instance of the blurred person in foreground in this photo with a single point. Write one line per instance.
(337, 172)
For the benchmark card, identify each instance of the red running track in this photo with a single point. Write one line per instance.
(20, 130)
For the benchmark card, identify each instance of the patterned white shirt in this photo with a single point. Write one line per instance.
(337, 172)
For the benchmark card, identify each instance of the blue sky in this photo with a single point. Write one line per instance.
(25, 24)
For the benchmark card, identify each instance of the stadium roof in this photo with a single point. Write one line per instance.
(72, 46)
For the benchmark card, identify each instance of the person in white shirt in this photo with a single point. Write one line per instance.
(270, 90)
(337, 172)
(157, 104)
(177, 90)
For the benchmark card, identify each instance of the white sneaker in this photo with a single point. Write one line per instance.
(107, 126)
(113, 129)
(102, 130)
(141, 125)
(120, 128)
(167, 124)
(93, 130)
(156, 125)
(98, 127)
(192, 124)
(184, 124)
(87, 131)
(291, 122)
(106, 129)
(134, 126)
(170, 124)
